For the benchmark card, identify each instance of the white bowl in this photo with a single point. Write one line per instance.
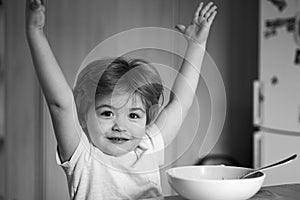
(214, 182)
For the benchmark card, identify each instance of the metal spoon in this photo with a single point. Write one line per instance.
(269, 166)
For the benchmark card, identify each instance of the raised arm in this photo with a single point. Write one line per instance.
(185, 85)
(58, 94)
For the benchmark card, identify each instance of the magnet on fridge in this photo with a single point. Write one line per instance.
(297, 29)
(280, 4)
(297, 57)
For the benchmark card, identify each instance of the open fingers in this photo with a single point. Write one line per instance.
(210, 11)
(198, 10)
(38, 2)
(35, 4)
(212, 16)
(206, 9)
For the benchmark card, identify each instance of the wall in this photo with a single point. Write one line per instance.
(23, 135)
(2, 100)
(241, 69)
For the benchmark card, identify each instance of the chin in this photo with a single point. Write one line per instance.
(115, 151)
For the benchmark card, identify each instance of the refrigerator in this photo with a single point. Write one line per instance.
(276, 110)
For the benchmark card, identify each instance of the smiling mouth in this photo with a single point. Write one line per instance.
(117, 140)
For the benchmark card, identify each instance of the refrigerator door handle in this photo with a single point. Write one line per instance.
(257, 100)
(257, 150)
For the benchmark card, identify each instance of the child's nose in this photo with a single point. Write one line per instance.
(119, 124)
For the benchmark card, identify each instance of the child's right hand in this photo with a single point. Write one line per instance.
(35, 15)
(197, 32)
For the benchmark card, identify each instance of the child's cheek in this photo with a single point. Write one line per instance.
(139, 128)
(104, 124)
(94, 125)
(140, 125)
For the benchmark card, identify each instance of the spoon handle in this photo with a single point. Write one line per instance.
(280, 162)
(272, 165)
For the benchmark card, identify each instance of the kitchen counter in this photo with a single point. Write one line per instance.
(278, 192)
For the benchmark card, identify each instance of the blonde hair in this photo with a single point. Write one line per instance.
(103, 77)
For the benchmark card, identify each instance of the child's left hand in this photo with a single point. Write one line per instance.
(197, 32)
(35, 15)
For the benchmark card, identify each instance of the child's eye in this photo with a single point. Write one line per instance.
(107, 114)
(134, 116)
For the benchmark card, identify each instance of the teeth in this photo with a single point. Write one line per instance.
(118, 139)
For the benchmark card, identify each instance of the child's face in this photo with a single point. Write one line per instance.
(119, 124)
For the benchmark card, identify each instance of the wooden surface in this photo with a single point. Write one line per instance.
(278, 192)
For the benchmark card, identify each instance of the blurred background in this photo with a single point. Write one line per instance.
(28, 169)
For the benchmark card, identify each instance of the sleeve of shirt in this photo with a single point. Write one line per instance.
(68, 166)
(158, 143)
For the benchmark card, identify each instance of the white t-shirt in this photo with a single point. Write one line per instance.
(91, 174)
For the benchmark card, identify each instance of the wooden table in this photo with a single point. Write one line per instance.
(278, 192)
